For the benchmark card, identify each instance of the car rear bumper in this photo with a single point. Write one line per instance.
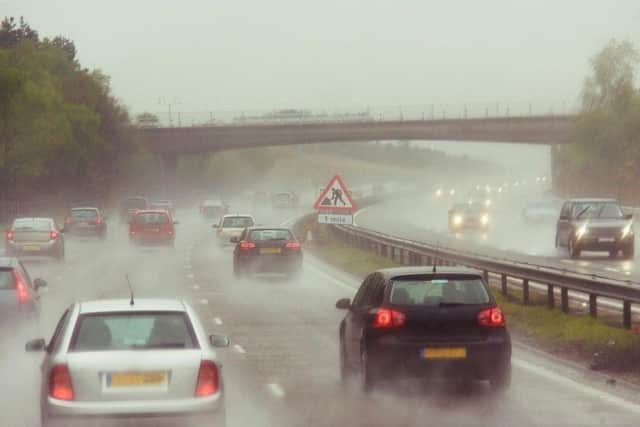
(33, 248)
(271, 263)
(483, 359)
(196, 412)
(593, 244)
(153, 239)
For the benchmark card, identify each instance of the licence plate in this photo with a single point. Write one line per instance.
(31, 248)
(606, 240)
(270, 251)
(136, 379)
(153, 230)
(444, 353)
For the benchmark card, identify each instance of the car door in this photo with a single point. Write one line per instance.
(34, 296)
(562, 228)
(361, 312)
(353, 329)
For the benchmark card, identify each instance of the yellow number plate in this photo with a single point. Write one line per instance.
(445, 353)
(133, 379)
(270, 251)
(31, 248)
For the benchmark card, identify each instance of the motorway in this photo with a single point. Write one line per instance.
(509, 237)
(282, 366)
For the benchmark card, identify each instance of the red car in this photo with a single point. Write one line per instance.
(152, 227)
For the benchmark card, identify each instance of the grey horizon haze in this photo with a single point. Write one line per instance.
(239, 55)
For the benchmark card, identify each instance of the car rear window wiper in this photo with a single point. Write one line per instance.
(583, 211)
(451, 304)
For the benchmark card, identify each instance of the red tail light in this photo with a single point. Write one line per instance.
(207, 379)
(245, 246)
(21, 289)
(60, 386)
(53, 234)
(9, 235)
(67, 220)
(387, 318)
(293, 245)
(99, 221)
(492, 318)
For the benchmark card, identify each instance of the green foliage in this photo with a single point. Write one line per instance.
(604, 158)
(59, 124)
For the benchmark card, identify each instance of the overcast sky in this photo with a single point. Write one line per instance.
(263, 54)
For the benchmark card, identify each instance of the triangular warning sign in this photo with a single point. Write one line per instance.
(335, 198)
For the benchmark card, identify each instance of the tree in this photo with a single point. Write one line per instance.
(147, 120)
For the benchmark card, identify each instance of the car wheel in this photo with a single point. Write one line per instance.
(573, 251)
(613, 253)
(557, 241)
(367, 380)
(501, 380)
(346, 373)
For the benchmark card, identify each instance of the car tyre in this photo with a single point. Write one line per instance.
(573, 251)
(346, 372)
(367, 379)
(501, 381)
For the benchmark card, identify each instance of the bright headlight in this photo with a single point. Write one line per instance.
(580, 232)
(452, 192)
(457, 219)
(438, 193)
(487, 202)
(627, 230)
(484, 219)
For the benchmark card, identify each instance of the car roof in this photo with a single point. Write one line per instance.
(84, 208)
(427, 270)
(261, 228)
(7, 262)
(155, 211)
(140, 304)
(34, 218)
(237, 215)
(593, 199)
(162, 201)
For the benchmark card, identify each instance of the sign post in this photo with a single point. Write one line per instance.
(335, 205)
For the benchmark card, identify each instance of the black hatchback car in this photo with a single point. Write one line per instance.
(595, 225)
(266, 250)
(413, 322)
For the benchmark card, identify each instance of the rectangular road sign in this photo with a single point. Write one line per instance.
(335, 219)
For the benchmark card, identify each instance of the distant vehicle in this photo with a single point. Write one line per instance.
(412, 322)
(481, 196)
(285, 200)
(152, 227)
(595, 225)
(468, 216)
(117, 362)
(86, 221)
(130, 206)
(232, 226)
(35, 236)
(540, 212)
(163, 205)
(19, 299)
(266, 250)
(213, 209)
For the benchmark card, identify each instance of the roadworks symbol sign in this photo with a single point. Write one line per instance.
(335, 198)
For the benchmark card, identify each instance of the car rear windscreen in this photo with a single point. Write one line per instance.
(432, 292)
(152, 218)
(6, 279)
(32, 225)
(84, 213)
(133, 331)
(237, 222)
(266, 235)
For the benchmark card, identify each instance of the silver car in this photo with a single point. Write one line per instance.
(121, 362)
(35, 236)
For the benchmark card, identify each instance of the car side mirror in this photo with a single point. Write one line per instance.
(214, 226)
(343, 304)
(35, 345)
(219, 341)
(39, 283)
(234, 239)
(628, 216)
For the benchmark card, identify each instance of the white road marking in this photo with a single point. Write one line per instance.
(204, 301)
(190, 276)
(568, 261)
(187, 267)
(59, 278)
(276, 389)
(615, 270)
(355, 215)
(217, 321)
(330, 278)
(196, 287)
(239, 349)
(583, 388)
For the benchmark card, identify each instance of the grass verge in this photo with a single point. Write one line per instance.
(576, 337)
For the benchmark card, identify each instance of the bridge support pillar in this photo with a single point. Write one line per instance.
(169, 171)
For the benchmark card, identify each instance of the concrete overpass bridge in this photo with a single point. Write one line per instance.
(170, 142)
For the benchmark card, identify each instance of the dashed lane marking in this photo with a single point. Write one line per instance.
(276, 389)
(239, 349)
(196, 287)
(217, 321)
(329, 277)
(190, 276)
(614, 270)
(204, 301)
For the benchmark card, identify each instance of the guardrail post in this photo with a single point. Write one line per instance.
(525, 291)
(551, 301)
(564, 299)
(485, 276)
(626, 314)
(503, 280)
(593, 305)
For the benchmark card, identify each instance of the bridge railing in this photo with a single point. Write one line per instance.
(364, 114)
